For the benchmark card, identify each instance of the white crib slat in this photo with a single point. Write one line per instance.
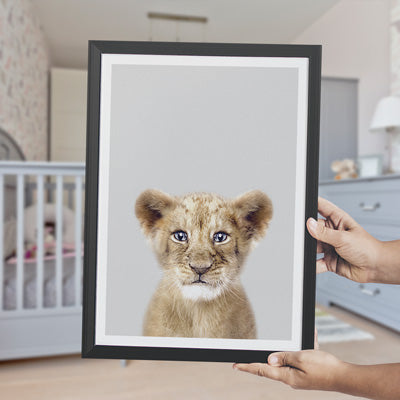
(39, 243)
(78, 239)
(20, 170)
(1, 240)
(59, 239)
(20, 242)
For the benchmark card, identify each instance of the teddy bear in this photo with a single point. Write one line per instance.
(344, 169)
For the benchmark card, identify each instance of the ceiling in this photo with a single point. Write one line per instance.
(69, 24)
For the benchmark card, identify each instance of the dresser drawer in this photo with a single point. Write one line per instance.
(366, 201)
(382, 231)
(375, 204)
(375, 301)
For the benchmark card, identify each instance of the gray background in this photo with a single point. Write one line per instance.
(215, 129)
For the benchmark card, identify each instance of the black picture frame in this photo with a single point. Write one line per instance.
(96, 50)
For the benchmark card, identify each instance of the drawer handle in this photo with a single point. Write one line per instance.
(369, 292)
(373, 207)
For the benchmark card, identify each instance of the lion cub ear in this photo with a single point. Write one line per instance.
(253, 211)
(151, 206)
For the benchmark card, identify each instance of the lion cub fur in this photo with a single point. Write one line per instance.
(211, 304)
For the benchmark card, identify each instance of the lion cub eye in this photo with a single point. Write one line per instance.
(180, 236)
(220, 237)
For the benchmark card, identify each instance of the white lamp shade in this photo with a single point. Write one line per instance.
(387, 114)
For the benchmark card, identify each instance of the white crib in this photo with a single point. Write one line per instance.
(40, 297)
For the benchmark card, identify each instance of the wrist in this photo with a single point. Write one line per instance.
(335, 375)
(344, 379)
(387, 268)
(376, 272)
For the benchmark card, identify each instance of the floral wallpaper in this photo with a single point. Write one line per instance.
(395, 46)
(24, 66)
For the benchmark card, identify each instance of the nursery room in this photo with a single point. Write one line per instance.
(45, 84)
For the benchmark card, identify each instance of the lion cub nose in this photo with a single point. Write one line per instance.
(200, 269)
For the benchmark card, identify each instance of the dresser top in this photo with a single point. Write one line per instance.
(365, 179)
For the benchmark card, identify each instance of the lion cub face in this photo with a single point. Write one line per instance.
(201, 240)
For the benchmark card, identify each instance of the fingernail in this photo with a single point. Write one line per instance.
(273, 360)
(235, 367)
(312, 225)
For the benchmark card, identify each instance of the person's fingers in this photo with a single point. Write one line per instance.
(311, 226)
(328, 209)
(321, 266)
(285, 358)
(316, 344)
(264, 370)
(321, 232)
(333, 212)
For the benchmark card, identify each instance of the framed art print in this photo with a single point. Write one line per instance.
(201, 171)
(370, 165)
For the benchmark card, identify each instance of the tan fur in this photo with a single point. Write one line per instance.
(218, 308)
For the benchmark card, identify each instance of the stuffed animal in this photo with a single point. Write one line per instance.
(344, 169)
(49, 244)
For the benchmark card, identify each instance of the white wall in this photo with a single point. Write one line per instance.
(356, 44)
(68, 115)
(355, 39)
(395, 46)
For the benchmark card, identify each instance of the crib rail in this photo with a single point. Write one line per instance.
(50, 190)
(40, 181)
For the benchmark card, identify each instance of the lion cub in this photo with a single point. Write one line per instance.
(201, 241)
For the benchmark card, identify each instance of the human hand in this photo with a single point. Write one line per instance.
(317, 370)
(349, 250)
(307, 369)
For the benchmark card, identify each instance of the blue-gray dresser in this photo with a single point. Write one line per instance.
(375, 204)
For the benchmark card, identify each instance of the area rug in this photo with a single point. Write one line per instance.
(331, 329)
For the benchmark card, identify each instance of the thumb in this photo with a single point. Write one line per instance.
(282, 359)
(319, 231)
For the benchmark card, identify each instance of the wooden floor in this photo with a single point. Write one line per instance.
(70, 377)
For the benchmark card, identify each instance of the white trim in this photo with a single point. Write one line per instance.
(78, 240)
(43, 312)
(107, 62)
(199, 343)
(39, 351)
(104, 168)
(40, 242)
(41, 164)
(300, 201)
(59, 240)
(41, 168)
(1, 239)
(19, 278)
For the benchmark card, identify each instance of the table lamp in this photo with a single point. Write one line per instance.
(387, 119)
